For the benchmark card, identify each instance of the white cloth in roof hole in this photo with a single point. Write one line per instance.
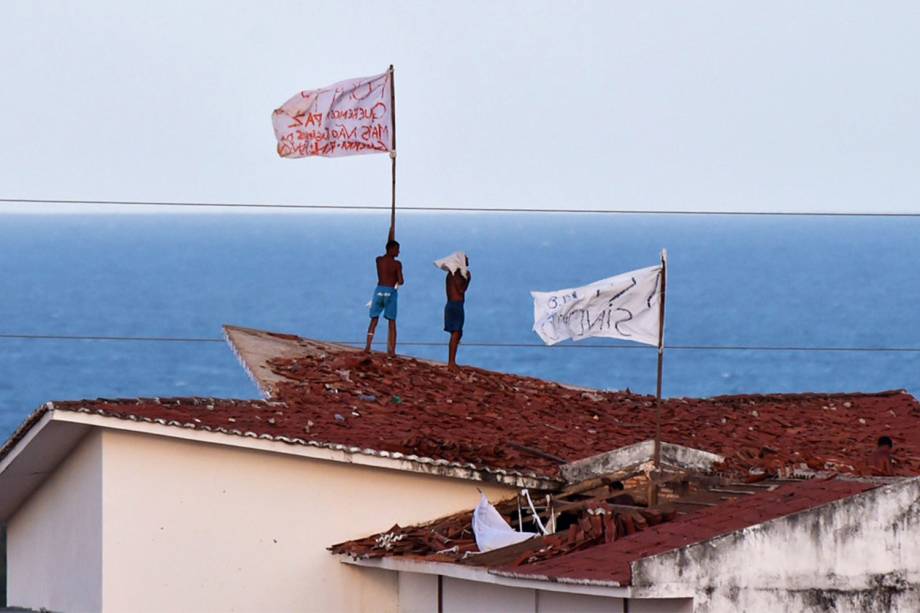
(454, 262)
(491, 530)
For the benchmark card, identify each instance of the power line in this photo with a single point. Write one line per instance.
(454, 209)
(146, 339)
(790, 348)
(485, 344)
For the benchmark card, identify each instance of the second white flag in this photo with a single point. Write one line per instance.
(625, 306)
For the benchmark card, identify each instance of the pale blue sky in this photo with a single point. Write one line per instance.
(785, 105)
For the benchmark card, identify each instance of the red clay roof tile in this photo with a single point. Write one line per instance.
(611, 562)
(831, 431)
(336, 395)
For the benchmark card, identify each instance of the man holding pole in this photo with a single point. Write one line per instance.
(351, 117)
(384, 300)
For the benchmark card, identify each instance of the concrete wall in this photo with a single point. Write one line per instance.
(418, 593)
(664, 605)
(561, 602)
(54, 540)
(461, 596)
(857, 554)
(191, 526)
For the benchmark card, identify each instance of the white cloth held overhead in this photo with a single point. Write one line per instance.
(454, 262)
(625, 306)
(491, 530)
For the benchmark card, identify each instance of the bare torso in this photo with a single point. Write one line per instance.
(456, 286)
(389, 271)
(880, 462)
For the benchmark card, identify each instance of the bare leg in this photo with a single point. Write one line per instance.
(452, 348)
(370, 334)
(391, 339)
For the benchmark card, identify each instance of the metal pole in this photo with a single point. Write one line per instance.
(393, 151)
(661, 301)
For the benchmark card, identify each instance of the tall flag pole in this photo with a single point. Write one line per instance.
(661, 299)
(351, 117)
(393, 151)
(629, 306)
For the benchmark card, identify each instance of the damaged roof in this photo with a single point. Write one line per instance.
(522, 423)
(611, 562)
(329, 395)
(602, 540)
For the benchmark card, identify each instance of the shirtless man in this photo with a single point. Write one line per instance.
(880, 459)
(456, 285)
(389, 278)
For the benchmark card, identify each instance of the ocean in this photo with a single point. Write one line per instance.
(739, 281)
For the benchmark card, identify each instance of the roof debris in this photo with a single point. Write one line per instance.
(597, 538)
(339, 396)
(514, 422)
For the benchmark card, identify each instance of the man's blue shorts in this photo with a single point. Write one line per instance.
(453, 317)
(384, 301)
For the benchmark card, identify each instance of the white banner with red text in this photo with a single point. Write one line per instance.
(348, 118)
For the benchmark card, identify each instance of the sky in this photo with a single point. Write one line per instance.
(779, 106)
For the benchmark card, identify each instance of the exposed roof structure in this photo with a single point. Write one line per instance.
(610, 562)
(600, 540)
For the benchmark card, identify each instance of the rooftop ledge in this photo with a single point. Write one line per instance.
(634, 456)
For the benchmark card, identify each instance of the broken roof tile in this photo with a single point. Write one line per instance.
(336, 395)
(611, 562)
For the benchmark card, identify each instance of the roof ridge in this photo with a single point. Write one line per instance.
(784, 395)
(64, 405)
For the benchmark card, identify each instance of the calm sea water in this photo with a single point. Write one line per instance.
(732, 281)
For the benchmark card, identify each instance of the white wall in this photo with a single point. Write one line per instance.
(661, 605)
(857, 554)
(563, 602)
(460, 596)
(200, 527)
(418, 593)
(54, 541)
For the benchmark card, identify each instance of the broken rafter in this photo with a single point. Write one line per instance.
(537, 453)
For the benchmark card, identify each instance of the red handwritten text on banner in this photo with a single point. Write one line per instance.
(347, 118)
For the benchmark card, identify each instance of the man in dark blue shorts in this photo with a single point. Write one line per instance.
(384, 300)
(456, 284)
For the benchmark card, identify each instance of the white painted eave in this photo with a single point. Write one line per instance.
(34, 457)
(309, 449)
(49, 440)
(589, 587)
(484, 575)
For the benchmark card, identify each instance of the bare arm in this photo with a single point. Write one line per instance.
(399, 275)
(460, 282)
